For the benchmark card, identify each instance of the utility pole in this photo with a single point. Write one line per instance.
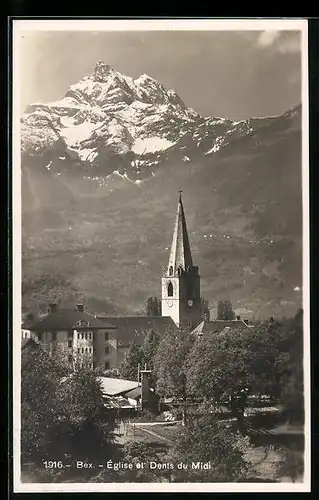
(145, 375)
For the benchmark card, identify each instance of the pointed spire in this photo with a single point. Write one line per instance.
(180, 255)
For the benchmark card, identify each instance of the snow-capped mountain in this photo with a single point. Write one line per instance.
(112, 123)
(88, 214)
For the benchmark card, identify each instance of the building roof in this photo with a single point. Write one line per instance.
(134, 393)
(218, 326)
(133, 328)
(180, 255)
(28, 323)
(65, 319)
(116, 386)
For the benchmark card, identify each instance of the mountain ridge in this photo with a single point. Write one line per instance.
(99, 226)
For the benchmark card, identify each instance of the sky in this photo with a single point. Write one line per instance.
(235, 74)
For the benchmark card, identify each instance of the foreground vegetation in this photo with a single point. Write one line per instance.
(64, 419)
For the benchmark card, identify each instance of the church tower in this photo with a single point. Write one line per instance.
(181, 280)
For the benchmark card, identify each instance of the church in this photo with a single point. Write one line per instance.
(181, 298)
(102, 341)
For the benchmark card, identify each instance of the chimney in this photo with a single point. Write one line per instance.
(238, 318)
(80, 308)
(53, 308)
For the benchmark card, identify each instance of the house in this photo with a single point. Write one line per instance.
(132, 329)
(97, 341)
(76, 335)
(26, 332)
(237, 325)
(129, 393)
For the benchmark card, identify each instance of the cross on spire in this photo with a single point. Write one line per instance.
(180, 193)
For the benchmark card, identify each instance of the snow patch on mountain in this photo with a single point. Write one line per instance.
(151, 145)
(216, 147)
(87, 154)
(77, 133)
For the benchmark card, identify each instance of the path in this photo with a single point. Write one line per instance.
(136, 432)
(156, 435)
(149, 424)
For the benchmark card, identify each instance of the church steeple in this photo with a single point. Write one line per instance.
(181, 281)
(180, 256)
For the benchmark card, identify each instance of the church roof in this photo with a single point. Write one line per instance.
(180, 255)
(133, 328)
(218, 326)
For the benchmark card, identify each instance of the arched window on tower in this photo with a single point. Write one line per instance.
(170, 271)
(170, 289)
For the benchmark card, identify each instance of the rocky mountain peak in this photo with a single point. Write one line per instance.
(101, 71)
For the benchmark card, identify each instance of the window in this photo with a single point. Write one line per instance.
(79, 350)
(107, 350)
(90, 336)
(82, 336)
(82, 350)
(78, 336)
(83, 323)
(107, 365)
(170, 272)
(90, 350)
(70, 358)
(69, 343)
(106, 335)
(170, 289)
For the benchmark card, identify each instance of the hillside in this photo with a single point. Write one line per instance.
(99, 228)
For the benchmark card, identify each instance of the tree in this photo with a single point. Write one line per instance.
(112, 373)
(39, 379)
(61, 412)
(149, 348)
(170, 365)
(153, 306)
(206, 440)
(225, 310)
(139, 355)
(143, 452)
(133, 357)
(288, 335)
(291, 464)
(85, 427)
(205, 312)
(226, 368)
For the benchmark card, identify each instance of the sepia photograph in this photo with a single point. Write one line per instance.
(161, 337)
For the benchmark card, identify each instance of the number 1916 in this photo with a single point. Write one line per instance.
(51, 464)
